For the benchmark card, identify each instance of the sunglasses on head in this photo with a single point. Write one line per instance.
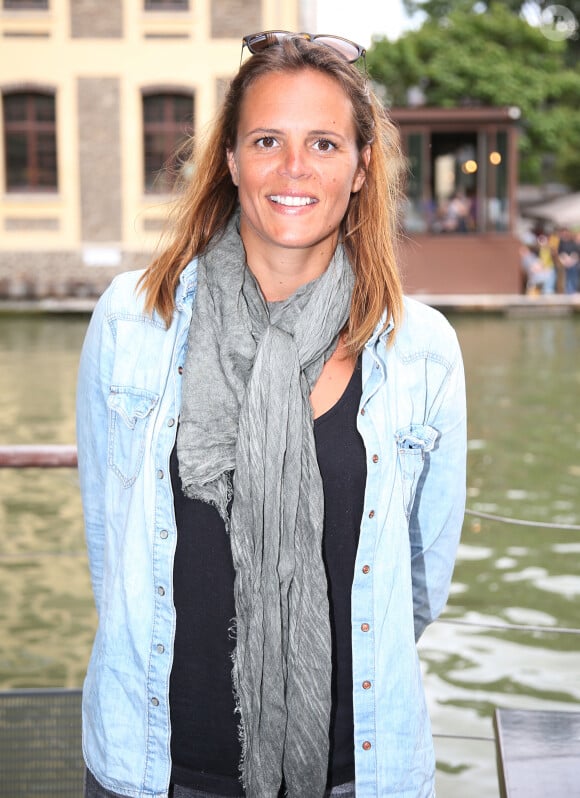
(257, 42)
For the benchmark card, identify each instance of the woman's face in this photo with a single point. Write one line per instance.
(295, 163)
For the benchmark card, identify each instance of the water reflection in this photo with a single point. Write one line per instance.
(46, 611)
(523, 378)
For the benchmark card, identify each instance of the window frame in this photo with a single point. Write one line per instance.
(172, 131)
(31, 128)
(166, 5)
(25, 5)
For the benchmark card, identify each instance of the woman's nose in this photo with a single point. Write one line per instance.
(294, 162)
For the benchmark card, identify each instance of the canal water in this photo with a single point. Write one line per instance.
(505, 638)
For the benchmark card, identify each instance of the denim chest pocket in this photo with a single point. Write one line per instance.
(413, 445)
(129, 414)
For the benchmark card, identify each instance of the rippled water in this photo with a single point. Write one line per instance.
(523, 378)
(46, 613)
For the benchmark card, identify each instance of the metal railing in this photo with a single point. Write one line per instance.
(32, 456)
(65, 456)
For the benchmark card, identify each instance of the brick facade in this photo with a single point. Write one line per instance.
(96, 19)
(100, 159)
(234, 18)
(36, 275)
(98, 58)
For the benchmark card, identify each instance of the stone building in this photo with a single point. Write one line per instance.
(95, 95)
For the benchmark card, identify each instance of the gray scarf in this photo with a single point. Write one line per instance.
(246, 431)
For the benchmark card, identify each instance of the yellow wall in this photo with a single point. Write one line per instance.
(47, 56)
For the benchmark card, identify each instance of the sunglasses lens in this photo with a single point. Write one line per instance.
(258, 42)
(348, 50)
(261, 41)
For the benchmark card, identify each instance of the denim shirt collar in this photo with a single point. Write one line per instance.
(187, 285)
(381, 331)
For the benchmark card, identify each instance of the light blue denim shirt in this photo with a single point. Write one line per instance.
(412, 421)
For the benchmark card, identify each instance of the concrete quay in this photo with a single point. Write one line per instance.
(503, 304)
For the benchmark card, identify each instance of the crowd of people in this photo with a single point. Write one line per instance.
(551, 261)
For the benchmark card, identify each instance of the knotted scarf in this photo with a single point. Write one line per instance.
(246, 435)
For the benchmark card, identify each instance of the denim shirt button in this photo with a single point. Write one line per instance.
(375, 458)
(364, 627)
(164, 534)
(170, 422)
(155, 702)
(366, 685)
(366, 746)
(362, 412)
(366, 569)
(372, 514)
(180, 370)
(161, 591)
(160, 474)
(160, 648)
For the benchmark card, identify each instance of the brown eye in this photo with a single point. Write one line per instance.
(324, 145)
(267, 142)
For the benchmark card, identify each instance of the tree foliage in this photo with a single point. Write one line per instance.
(436, 9)
(529, 9)
(496, 58)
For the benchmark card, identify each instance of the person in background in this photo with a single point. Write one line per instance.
(577, 241)
(569, 257)
(547, 259)
(539, 278)
(272, 446)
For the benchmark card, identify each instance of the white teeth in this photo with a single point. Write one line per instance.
(294, 202)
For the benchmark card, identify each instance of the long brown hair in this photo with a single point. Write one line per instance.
(370, 227)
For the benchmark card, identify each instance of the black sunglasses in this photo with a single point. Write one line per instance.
(257, 42)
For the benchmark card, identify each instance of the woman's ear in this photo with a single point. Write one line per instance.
(361, 173)
(232, 166)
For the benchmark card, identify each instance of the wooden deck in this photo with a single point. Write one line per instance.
(538, 753)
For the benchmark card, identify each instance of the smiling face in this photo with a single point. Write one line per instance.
(295, 163)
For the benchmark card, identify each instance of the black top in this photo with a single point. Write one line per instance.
(205, 748)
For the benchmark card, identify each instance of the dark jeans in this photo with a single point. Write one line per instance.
(571, 280)
(94, 790)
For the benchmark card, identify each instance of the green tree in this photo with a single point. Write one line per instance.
(491, 58)
(436, 9)
(529, 9)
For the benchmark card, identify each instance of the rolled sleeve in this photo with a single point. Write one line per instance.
(438, 508)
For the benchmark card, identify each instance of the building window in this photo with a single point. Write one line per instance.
(166, 5)
(458, 182)
(25, 4)
(167, 125)
(30, 141)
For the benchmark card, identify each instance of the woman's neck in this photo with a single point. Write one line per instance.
(280, 271)
(281, 279)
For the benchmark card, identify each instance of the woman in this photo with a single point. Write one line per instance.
(302, 522)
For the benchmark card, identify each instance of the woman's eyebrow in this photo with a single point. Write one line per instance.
(264, 131)
(267, 131)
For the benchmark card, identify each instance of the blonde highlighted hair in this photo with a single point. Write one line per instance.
(370, 228)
